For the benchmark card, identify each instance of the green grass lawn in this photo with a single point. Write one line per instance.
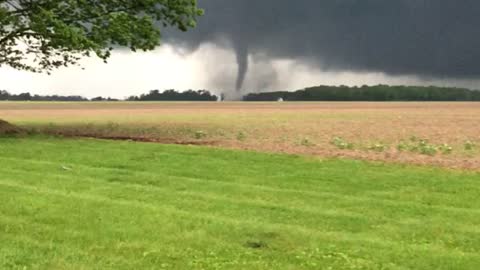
(89, 204)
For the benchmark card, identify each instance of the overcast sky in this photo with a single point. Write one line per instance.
(257, 45)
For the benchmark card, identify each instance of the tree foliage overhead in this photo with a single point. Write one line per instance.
(40, 35)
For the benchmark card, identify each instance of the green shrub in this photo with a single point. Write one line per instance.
(469, 145)
(403, 146)
(378, 147)
(342, 144)
(200, 135)
(428, 149)
(241, 136)
(446, 149)
(422, 146)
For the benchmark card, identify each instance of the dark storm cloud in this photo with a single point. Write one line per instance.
(426, 38)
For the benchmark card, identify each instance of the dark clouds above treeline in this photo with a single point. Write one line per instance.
(426, 38)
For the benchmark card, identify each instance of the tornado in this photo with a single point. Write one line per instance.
(241, 51)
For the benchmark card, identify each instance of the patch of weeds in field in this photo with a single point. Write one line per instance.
(342, 144)
(200, 134)
(446, 149)
(403, 146)
(241, 136)
(426, 148)
(307, 142)
(469, 145)
(422, 146)
(378, 147)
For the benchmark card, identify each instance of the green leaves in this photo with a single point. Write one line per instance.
(46, 34)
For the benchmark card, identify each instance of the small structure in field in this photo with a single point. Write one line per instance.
(280, 100)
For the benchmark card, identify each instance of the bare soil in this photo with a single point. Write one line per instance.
(9, 129)
(146, 139)
(295, 128)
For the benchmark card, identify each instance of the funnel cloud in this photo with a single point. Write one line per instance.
(430, 39)
(241, 52)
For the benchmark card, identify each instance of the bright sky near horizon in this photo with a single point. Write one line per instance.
(210, 67)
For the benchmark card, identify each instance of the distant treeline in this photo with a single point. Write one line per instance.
(4, 95)
(154, 95)
(319, 93)
(173, 95)
(370, 93)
